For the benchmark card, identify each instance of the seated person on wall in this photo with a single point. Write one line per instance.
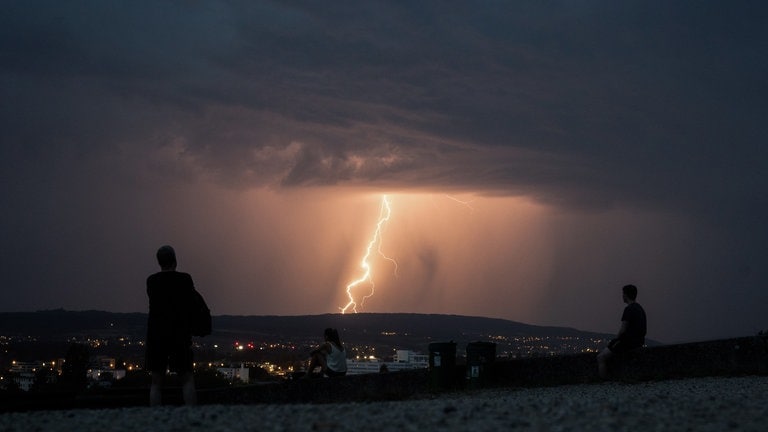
(330, 356)
(632, 332)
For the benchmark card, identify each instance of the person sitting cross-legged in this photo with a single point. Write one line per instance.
(331, 356)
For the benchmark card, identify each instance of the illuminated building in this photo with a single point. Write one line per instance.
(403, 360)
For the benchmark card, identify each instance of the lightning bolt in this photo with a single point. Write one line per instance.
(384, 214)
(467, 204)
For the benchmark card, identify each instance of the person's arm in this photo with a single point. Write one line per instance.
(623, 329)
(612, 343)
(324, 349)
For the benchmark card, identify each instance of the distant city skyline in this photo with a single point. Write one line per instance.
(537, 157)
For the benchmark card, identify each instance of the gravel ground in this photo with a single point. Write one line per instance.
(701, 404)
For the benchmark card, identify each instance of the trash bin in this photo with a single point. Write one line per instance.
(442, 365)
(480, 358)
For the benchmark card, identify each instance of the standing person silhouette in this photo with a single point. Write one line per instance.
(631, 334)
(330, 356)
(169, 341)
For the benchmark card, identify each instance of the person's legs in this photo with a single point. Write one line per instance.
(316, 359)
(602, 362)
(188, 388)
(313, 363)
(181, 361)
(156, 389)
(322, 360)
(157, 364)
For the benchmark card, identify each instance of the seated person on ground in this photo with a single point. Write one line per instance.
(632, 332)
(331, 356)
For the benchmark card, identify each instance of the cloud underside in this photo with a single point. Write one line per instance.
(573, 105)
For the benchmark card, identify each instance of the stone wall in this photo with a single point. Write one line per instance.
(361, 388)
(729, 357)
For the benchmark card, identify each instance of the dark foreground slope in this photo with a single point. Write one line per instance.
(699, 404)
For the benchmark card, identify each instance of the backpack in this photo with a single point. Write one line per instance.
(199, 316)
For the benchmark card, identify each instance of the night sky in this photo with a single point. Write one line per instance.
(536, 157)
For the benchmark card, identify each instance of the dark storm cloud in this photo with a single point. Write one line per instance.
(624, 102)
(110, 108)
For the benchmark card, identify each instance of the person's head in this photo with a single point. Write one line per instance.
(629, 292)
(332, 335)
(166, 257)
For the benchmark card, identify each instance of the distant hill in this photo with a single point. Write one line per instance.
(293, 336)
(59, 322)
(421, 325)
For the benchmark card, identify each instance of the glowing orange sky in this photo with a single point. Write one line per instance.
(293, 252)
(454, 257)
